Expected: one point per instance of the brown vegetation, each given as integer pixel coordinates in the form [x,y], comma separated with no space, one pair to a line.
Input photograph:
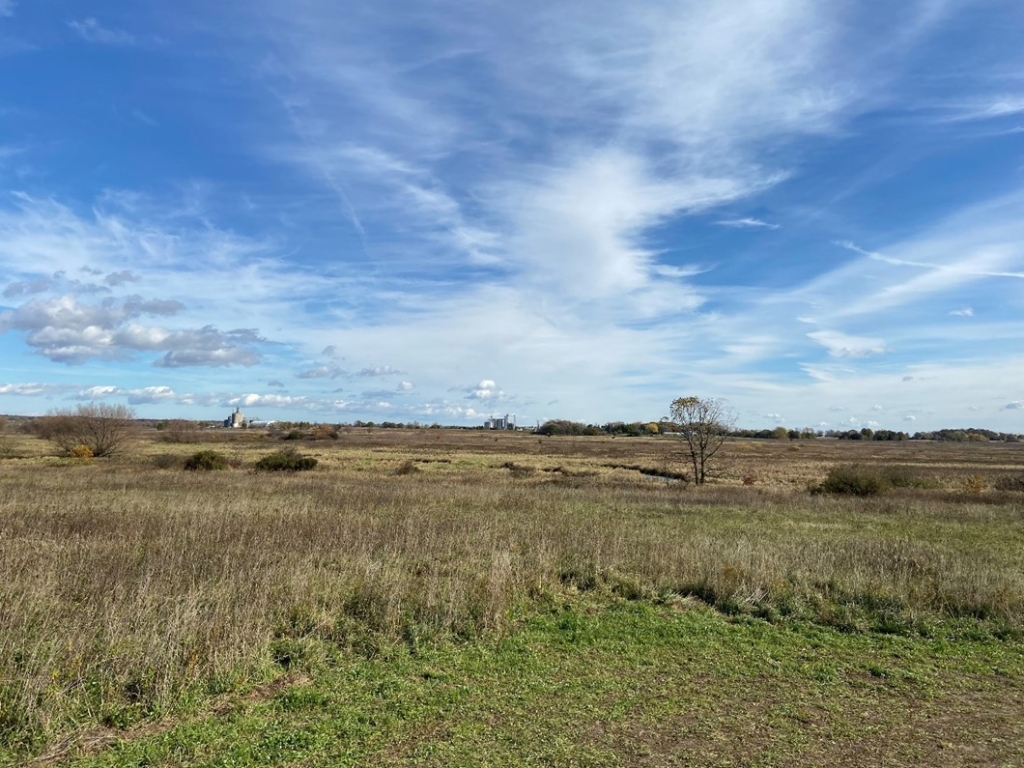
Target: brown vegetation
[126,589]
[99,428]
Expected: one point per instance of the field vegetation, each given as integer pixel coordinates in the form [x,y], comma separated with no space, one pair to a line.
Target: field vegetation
[448,597]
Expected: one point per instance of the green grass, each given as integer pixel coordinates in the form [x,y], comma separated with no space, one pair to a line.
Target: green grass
[620,683]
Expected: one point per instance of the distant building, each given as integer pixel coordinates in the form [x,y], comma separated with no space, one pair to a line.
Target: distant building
[497,422]
[235,421]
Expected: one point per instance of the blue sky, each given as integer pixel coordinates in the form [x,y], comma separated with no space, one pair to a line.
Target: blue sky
[439,211]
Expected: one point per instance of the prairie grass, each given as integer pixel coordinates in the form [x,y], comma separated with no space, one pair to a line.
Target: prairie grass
[128,591]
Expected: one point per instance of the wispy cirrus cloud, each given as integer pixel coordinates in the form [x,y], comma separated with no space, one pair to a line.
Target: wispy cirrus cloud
[747,223]
[992,108]
[92,31]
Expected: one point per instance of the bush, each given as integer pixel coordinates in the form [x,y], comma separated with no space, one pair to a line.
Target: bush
[206,460]
[103,429]
[1009,483]
[180,431]
[166,461]
[858,480]
[854,480]
[285,461]
[905,477]
[82,452]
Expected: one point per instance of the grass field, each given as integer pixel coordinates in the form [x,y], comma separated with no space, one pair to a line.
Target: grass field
[440,597]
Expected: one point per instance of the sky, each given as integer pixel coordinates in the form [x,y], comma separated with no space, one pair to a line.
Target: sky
[439,211]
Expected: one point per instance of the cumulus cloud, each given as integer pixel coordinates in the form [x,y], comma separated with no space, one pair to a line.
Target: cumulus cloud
[965,312]
[380,370]
[97,391]
[486,389]
[1016,405]
[147,395]
[69,331]
[25,287]
[320,372]
[406,386]
[268,401]
[120,278]
[139,396]
[378,394]
[29,389]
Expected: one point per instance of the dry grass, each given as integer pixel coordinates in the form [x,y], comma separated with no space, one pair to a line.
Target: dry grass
[127,590]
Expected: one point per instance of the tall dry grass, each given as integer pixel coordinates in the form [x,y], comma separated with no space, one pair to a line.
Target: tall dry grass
[126,590]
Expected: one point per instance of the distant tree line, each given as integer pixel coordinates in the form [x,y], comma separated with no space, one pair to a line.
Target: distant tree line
[667,426]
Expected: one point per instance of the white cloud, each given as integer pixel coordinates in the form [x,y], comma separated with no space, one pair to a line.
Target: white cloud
[487,389]
[380,370]
[98,391]
[139,396]
[120,278]
[965,312]
[268,401]
[69,331]
[843,345]
[92,31]
[29,389]
[747,223]
[1004,105]
[321,372]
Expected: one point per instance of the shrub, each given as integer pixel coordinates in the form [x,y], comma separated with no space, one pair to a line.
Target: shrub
[81,452]
[324,432]
[1009,483]
[973,484]
[854,480]
[103,428]
[166,461]
[905,477]
[206,460]
[285,461]
[180,431]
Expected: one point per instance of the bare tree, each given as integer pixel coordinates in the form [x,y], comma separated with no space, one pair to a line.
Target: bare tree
[704,424]
[104,429]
